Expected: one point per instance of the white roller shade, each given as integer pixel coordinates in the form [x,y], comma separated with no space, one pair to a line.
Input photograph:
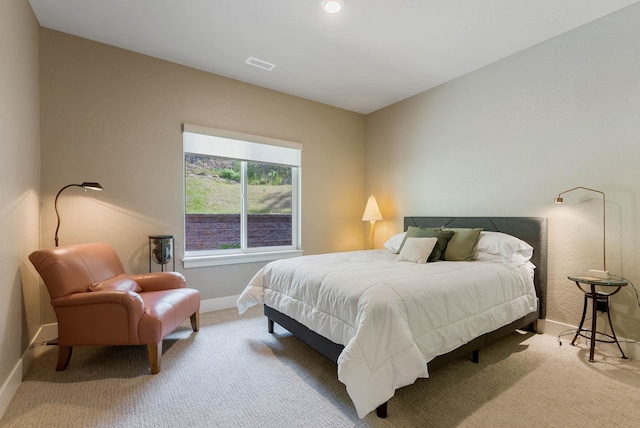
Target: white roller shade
[214,142]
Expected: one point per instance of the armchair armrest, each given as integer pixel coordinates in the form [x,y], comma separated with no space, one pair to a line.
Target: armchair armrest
[99,318]
[129,299]
[159,281]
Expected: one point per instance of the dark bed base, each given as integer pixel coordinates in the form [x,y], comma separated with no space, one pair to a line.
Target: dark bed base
[332,350]
[532,230]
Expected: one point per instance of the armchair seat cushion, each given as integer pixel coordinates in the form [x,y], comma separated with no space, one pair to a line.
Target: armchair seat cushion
[164,311]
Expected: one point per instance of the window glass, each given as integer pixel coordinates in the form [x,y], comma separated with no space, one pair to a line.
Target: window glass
[269,204]
[241,197]
[213,203]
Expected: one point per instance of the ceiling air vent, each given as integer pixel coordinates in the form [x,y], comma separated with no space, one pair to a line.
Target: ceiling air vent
[260,63]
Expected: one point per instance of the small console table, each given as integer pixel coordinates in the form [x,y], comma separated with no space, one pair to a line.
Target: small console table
[599,299]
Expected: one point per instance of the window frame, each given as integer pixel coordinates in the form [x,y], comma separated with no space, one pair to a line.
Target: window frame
[248,148]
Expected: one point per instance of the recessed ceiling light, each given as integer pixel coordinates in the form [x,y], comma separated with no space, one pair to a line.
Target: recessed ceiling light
[333,6]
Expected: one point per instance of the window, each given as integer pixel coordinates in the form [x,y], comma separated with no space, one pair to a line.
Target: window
[241,197]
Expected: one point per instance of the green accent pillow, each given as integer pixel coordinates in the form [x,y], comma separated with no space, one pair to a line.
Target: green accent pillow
[430,232]
[462,245]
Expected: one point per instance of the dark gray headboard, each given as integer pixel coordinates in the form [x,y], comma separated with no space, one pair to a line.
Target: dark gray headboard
[532,230]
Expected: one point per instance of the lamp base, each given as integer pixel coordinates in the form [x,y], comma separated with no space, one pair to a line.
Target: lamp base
[600,274]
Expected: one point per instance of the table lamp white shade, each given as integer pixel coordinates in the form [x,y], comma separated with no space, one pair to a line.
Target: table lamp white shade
[372,214]
[372,211]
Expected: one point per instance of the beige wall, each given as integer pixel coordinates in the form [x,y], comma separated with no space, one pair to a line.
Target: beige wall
[503,140]
[115,117]
[506,139]
[19,188]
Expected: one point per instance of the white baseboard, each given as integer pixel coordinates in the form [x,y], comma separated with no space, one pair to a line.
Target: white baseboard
[220,303]
[10,386]
[47,332]
[554,328]
[13,381]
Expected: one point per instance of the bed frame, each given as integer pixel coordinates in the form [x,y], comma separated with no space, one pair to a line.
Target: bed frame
[532,230]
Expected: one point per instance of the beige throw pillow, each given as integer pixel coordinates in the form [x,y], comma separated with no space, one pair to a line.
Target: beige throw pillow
[430,232]
[417,250]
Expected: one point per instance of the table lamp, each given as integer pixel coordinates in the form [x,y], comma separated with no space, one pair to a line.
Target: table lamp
[372,214]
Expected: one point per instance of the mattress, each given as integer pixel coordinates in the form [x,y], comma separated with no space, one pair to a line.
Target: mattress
[392,317]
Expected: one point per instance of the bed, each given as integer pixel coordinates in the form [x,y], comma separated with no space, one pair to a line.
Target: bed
[387,323]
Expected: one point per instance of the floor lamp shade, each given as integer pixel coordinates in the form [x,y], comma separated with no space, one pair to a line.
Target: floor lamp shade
[559,200]
[87,185]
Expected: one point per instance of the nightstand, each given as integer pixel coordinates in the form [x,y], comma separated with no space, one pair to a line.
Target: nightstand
[599,300]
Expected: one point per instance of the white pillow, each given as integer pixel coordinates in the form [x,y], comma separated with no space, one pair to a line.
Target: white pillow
[394,242]
[417,250]
[504,248]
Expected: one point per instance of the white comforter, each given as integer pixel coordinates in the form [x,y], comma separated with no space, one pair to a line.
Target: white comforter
[392,317]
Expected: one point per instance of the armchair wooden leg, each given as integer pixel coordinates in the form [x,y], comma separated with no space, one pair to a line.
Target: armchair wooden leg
[195,321]
[154,352]
[64,355]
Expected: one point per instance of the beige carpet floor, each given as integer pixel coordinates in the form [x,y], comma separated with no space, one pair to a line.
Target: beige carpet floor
[234,374]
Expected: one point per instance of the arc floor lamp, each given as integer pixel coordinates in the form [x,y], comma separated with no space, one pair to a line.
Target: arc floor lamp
[87,185]
[559,200]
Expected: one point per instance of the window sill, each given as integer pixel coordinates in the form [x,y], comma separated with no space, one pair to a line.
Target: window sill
[232,259]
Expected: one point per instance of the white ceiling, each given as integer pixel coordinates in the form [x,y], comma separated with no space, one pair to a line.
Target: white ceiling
[374,53]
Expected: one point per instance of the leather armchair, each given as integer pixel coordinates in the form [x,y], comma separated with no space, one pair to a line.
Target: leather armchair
[96,303]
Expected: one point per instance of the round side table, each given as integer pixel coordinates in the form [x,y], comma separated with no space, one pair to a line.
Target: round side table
[598,299]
